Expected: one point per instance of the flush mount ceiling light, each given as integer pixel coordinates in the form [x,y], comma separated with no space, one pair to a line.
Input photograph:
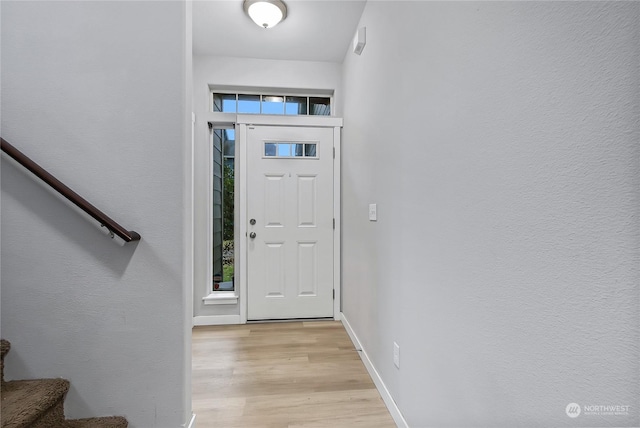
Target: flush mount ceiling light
[265,13]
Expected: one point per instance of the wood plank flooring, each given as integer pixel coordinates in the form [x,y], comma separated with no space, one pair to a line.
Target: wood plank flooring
[282,375]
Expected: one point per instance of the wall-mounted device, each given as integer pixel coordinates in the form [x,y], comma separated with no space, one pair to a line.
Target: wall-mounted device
[360,40]
[373,212]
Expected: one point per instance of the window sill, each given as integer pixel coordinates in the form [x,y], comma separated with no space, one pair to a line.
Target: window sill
[221,298]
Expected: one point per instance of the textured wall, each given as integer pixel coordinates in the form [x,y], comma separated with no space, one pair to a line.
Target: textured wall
[501,143]
[238,72]
[94,92]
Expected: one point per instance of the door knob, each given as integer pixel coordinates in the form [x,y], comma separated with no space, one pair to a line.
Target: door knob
[252,221]
[252,235]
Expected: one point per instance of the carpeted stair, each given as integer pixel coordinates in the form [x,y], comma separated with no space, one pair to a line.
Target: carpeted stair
[40,403]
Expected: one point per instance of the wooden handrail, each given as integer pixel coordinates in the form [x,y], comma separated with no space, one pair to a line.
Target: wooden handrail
[104,220]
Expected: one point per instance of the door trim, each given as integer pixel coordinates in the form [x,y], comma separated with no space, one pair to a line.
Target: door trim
[337,235]
[242,121]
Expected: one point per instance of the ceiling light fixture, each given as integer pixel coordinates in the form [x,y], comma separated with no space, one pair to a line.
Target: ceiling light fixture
[265,13]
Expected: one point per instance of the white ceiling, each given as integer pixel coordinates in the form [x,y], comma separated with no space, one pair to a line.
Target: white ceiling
[314,30]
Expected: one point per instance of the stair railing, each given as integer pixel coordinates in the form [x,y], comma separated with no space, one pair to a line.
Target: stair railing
[105,221]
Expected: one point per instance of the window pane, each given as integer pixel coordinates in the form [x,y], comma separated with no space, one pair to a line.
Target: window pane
[320,106]
[229,143]
[284,149]
[228,212]
[290,150]
[269,149]
[298,150]
[217,238]
[310,150]
[249,104]
[272,104]
[296,105]
[225,103]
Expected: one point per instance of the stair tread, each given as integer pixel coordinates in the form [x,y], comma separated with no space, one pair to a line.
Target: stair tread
[105,422]
[23,401]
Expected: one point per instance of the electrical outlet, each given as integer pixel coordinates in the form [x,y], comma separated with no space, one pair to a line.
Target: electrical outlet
[373,212]
[396,354]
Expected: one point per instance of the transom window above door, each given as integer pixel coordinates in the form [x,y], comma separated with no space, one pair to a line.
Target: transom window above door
[271,104]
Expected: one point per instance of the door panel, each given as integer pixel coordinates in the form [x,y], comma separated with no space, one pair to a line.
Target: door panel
[290,196]
[275,199]
[274,269]
[307,269]
[307,209]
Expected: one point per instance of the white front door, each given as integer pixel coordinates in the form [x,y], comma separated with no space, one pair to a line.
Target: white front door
[290,214]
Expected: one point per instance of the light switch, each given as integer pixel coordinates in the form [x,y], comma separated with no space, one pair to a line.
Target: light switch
[373,212]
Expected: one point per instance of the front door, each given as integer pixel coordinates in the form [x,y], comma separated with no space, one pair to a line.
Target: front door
[290,231]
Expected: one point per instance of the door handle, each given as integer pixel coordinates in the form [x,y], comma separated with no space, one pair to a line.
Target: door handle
[252,235]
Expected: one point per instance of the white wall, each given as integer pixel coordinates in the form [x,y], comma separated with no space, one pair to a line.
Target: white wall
[501,143]
[239,72]
[95,92]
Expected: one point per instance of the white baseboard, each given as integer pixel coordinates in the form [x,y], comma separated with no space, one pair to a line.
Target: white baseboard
[216,320]
[192,422]
[382,388]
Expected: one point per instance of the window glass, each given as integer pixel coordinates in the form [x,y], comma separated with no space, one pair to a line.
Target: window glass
[225,103]
[269,149]
[297,150]
[284,150]
[223,209]
[319,106]
[310,150]
[272,104]
[296,105]
[216,199]
[248,103]
[290,150]
[229,143]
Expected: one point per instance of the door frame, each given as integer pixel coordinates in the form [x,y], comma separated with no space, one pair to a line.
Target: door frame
[241,238]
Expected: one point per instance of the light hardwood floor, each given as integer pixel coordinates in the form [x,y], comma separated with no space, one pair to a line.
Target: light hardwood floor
[282,375]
